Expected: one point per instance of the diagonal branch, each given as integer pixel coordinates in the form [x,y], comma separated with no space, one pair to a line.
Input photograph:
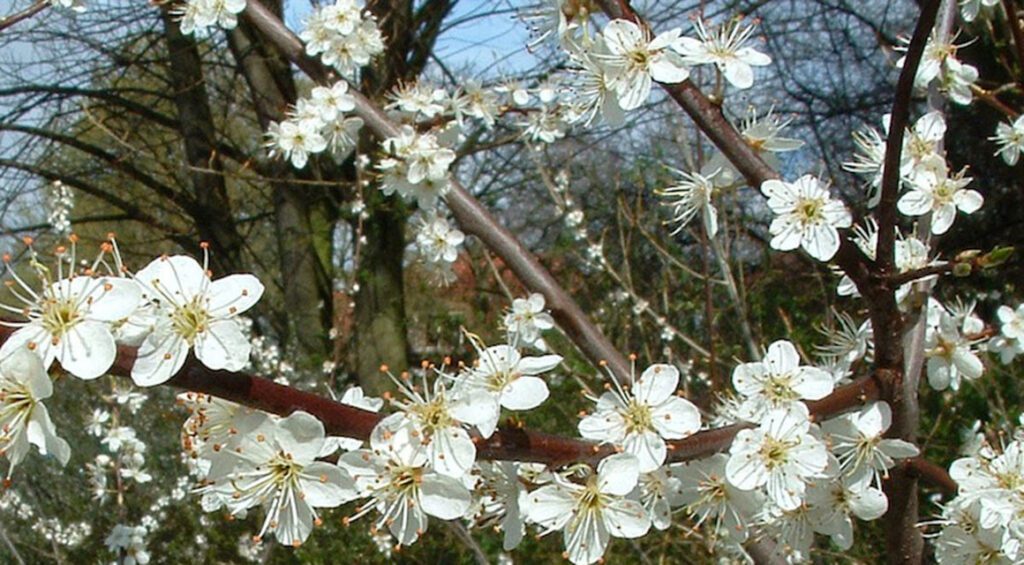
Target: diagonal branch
[473,217]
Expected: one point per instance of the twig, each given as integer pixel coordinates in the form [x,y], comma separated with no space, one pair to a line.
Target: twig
[900,279]
[894,141]
[465,537]
[1018,36]
[8,21]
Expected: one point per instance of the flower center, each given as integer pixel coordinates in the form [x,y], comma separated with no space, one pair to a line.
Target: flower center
[284,470]
[774,452]
[809,210]
[434,415]
[404,480]
[591,499]
[637,416]
[498,380]
[944,193]
[190,320]
[59,316]
[778,388]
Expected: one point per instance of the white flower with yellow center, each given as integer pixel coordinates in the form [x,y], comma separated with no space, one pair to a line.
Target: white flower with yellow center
[275,467]
[950,345]
[24,419]
[510,379]
[588,514]
[394,476]
[70,319]
[725,49]
[711,499]
[641,417]
[806,216]
[1010,139]
[193,312]
[528,319]
[779,455]
[634,61]
[435,419]
[934,191]
[856,441]
[778,381]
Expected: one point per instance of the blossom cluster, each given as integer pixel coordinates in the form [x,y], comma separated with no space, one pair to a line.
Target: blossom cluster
[983,522]
[78,318]
[316,123]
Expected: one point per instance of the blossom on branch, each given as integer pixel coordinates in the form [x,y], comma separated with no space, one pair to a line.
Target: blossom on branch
[806,216]
[193,312]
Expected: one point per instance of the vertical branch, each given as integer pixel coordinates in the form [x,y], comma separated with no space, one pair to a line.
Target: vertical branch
[894,141]
[1018,35]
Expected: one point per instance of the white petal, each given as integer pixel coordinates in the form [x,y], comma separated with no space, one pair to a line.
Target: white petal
[326,485]
[657,383]
[618,474]
[453,452]
[648,448]
[443,497]
[160,357]
[21,365]
[87,350]
[676,418]
[233,294]
[813,383]
[301,435]
[781,357]
[549,506]
[738,73]
[108,299]
[524,393]
[223,346]
[177,278]
[538,365]
[626,519]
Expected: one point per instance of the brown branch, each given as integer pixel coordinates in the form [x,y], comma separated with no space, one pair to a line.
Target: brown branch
[900,279]
[8,21]
[894,141]
[1018,36]
[937,476]
[509,443]
[473,217]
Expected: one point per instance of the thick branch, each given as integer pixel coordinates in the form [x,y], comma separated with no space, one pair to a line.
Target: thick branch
[510,443]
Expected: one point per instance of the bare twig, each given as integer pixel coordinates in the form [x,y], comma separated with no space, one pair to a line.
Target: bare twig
[8,21]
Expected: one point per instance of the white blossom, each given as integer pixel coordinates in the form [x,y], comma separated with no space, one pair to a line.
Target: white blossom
[528,319]
[640,416]
[635,60]
[725,49]
[275,467]
[24,419]
[805,216]
[195,312]
[394,476]
[588,514]
[779,455]
[933,191]
[857,441]
[693,196]
[778,381]
[1010,139]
